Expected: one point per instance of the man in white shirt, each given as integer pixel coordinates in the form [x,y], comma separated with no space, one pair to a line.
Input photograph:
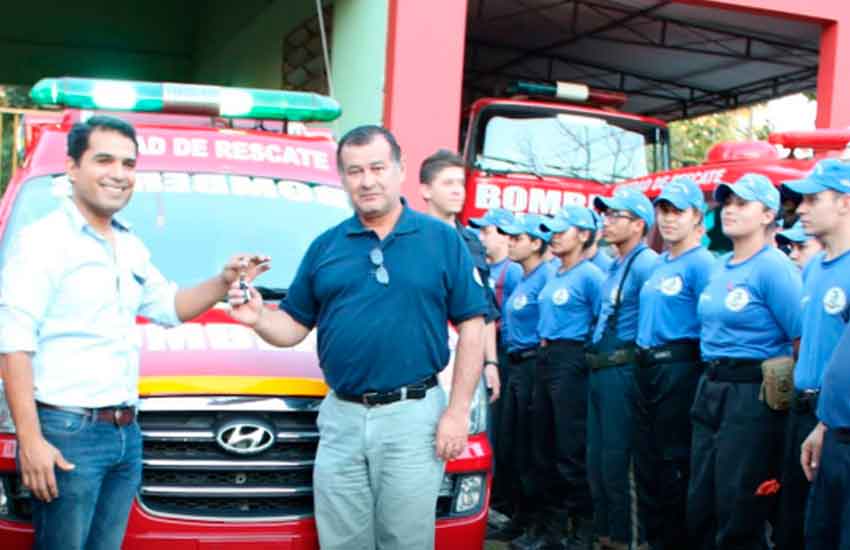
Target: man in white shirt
[70,291]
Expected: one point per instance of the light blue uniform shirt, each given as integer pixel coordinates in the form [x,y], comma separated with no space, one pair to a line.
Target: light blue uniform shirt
[751,310]
[826,287]
[668,300]
[70,299]
[522,311]
[513,275]
[569,302]
[602,260]
[627,320]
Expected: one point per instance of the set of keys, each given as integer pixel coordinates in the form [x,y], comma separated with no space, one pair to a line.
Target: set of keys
[243,265]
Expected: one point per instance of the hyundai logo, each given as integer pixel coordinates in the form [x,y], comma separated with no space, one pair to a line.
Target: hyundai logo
[245,437]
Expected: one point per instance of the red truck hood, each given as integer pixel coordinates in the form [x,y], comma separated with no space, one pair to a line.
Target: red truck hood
[215,355]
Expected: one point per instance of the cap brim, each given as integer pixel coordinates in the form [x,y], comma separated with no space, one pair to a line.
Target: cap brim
[725,189]
[804,186]
[608,203]
[478,222]
[512,230]
[555,226]
[680,203]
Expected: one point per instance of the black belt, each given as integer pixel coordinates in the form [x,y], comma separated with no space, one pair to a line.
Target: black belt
[412,391]
[805,401]
[120,416]
[674,352]
[616,358]
[734,370]
[522,355]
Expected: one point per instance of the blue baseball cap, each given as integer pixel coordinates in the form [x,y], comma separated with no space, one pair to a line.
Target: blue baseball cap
[683,193]
[795,234]
[597,219]
[570,216]
[827,174]
[629,199]
[528,224]
[750,187]
[494,216]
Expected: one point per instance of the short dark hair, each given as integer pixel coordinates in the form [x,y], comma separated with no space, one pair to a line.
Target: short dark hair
[438,162]
[591,239]
[364,135]
[78,137]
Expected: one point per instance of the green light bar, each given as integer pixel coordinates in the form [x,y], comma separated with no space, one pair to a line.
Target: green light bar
[126,95]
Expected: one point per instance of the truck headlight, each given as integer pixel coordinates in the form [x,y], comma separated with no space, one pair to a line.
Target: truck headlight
[478,410]
[6,424]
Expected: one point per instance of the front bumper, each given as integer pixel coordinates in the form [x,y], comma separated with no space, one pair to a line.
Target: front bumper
[147,531]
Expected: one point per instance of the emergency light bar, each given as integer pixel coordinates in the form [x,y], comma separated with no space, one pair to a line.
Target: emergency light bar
[166,97]
[568,91]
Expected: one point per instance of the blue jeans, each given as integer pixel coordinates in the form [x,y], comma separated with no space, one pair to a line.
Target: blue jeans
[377,475]
[95,497]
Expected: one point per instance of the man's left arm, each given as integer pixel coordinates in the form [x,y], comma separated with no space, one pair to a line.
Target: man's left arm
[453,429]
[191,302]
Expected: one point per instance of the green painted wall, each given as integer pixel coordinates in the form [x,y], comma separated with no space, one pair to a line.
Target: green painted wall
[358,59]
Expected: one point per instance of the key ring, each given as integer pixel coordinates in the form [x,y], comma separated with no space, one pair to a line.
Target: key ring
[246,294]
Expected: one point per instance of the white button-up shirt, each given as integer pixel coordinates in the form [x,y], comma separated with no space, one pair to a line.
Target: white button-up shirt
[71,299]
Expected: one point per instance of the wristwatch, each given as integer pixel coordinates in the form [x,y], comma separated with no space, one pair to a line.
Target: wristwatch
[491,362]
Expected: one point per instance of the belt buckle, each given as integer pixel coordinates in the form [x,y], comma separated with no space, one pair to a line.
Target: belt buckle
[366,396]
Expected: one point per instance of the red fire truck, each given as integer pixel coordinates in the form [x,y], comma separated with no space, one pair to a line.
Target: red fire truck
[555,144]
[219,170]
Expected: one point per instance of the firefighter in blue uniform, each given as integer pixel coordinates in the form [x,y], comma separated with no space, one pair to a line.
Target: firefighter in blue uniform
[569,303]
[504,276]
[627,216]
[668,338]
[750,313]
[527,246]
[825,215]
[800,247]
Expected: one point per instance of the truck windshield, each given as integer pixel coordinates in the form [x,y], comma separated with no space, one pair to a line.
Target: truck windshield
[193,223]
[569,145]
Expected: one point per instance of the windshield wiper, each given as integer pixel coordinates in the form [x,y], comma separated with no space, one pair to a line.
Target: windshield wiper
[271,293]
[526,167]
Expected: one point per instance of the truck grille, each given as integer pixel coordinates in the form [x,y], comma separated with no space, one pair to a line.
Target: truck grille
[189,472]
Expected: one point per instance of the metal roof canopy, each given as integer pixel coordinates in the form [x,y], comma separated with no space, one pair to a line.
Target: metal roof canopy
[672,60]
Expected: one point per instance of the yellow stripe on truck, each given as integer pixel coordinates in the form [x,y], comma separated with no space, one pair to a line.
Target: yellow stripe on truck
[231,385]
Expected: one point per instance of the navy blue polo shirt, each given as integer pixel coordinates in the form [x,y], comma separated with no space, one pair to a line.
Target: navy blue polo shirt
[627,318]
[668,300]
[375,337]
[834,404]
[569,302]
[751,309]
[826,287]
[522,310]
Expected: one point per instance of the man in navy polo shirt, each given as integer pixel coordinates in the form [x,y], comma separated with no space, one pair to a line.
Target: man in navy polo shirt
[381,288]
[825,215]
[627,217]
[825,457]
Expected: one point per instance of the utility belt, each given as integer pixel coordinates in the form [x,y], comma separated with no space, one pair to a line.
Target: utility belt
[522,355]
[614,358]
[776,376]
[805,402]
[680,351]
[417,390]
[121,415]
